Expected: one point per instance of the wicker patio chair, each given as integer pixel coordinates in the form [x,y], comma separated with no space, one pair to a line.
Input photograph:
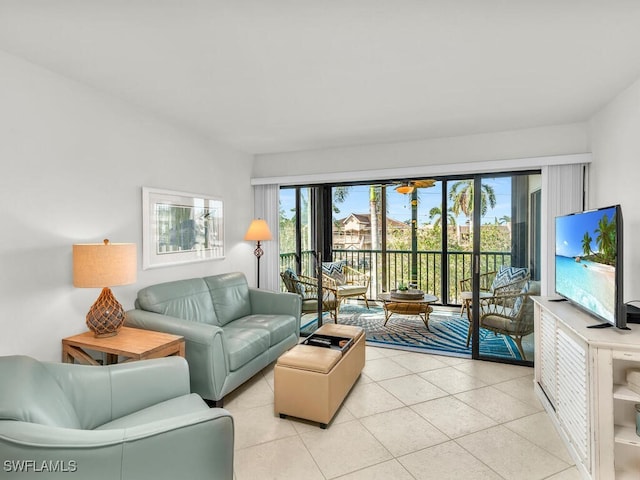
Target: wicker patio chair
[510,314]
[307,288]
[347,282]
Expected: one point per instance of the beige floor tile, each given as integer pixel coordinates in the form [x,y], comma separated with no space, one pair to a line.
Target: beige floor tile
[452,380]
[492,372]
[255,393]
[419,362]
[390,470]
[374,353]
[396,423]
[412,389]
[369,399]
[282,459]
[512,456]
[259,425]
[342,415]
[363,378]
[496,404]
[538,429]
[403,431]
[568,474]
[387,352]
[447,461]
[267,373]
[344,448]
[522,389]
[453,360]
[453,417]
[383,368]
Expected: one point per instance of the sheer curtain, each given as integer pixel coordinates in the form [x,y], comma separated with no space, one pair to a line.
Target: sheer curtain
[562,193]
[266,205]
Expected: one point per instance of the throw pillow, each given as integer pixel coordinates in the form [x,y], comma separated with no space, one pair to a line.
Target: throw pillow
[518,303]
[334,270]
[292,281]
[509,275]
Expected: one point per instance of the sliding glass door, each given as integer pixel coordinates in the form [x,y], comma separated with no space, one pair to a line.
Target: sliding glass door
[505,266]
[463,239]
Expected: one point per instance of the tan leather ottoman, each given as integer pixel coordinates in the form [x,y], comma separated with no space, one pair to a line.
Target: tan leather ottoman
[311,382]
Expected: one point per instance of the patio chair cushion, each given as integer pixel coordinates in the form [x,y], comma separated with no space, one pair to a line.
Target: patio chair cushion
[497,322]
[334,270]
[292,282]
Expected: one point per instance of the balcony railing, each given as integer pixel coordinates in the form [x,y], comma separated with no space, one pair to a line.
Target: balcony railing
[397,269]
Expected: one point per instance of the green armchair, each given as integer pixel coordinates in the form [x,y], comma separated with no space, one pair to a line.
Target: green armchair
[130,421]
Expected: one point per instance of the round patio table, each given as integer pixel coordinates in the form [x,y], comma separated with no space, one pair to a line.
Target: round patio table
[403,306]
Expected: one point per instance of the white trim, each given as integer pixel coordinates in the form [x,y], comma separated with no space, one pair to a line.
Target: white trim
[427,170]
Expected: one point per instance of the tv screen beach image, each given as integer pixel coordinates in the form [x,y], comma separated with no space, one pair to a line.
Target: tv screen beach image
[586,259]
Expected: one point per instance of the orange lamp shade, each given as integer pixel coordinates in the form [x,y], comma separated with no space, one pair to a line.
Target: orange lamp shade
[258,231]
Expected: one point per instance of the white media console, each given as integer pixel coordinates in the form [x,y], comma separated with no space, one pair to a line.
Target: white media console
[580,377]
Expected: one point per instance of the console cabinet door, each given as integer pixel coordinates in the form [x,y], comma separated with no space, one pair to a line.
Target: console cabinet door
[547,351]
[572,389]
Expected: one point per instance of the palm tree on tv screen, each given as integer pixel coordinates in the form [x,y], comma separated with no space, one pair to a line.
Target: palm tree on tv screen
[586,243]
[605,239]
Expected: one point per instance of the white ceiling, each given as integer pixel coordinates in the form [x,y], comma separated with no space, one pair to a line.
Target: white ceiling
[281,75]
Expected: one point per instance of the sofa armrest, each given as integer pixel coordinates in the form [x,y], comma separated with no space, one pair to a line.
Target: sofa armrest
[275,303]
[191,331]
[205,348]
[131,453]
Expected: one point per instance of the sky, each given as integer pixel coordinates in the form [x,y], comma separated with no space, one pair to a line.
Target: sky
[399,208]
[570,230]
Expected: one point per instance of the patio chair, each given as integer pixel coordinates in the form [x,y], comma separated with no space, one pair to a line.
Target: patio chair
[506,281]
[347,282]
[307,288]
[510,314]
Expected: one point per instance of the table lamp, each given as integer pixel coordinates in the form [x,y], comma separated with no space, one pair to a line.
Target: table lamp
[258,231]
[104,265]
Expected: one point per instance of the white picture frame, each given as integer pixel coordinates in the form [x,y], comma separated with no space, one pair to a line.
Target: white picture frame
[180,227]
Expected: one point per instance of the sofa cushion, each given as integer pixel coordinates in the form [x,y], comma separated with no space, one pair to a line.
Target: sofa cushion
[188,299]
[30,394]
[169,408]
[279,327]
[230,296]
[244,344]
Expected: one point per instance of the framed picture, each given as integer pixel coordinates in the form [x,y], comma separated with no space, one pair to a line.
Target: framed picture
[180,228]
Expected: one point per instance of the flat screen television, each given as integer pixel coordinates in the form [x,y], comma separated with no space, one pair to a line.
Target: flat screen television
[589,263]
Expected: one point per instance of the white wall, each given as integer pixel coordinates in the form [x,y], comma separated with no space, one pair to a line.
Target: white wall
[73,165]
[534,142]
[615,173]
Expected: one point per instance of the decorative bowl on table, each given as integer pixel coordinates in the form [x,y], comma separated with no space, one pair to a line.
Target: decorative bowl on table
[410,294]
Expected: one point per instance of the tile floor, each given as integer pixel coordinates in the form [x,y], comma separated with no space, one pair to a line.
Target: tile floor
[409,416]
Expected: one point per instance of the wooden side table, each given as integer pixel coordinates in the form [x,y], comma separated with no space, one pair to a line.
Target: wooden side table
[132,343]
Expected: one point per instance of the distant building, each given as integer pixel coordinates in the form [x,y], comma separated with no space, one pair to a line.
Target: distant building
[354,231]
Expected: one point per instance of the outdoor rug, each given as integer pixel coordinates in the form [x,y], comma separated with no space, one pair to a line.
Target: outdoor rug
[447,332]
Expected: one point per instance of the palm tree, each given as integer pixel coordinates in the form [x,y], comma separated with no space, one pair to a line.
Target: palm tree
[586,243]
[605,239]
[461,193]
[436,213]
[340,194]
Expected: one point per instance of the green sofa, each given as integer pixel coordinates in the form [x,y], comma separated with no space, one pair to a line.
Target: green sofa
[231,331]
[132,421]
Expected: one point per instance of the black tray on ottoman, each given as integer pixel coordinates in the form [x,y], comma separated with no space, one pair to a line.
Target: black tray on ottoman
[329,341]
